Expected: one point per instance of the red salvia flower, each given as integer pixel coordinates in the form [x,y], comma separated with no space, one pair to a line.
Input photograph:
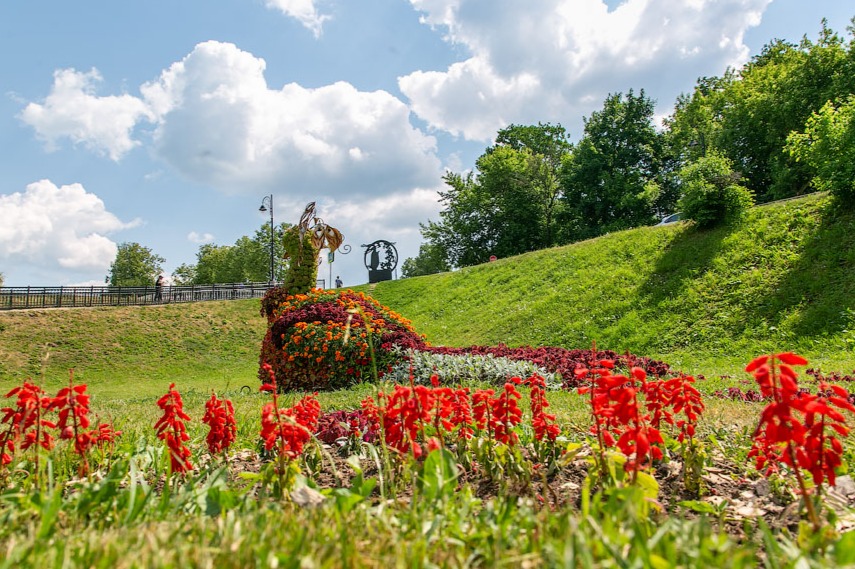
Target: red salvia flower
[481,409]
[291,428]
[683,397]
[542,422]
[505,414]
[461,412]
[220,418]
[798,429]
[172,430]
[25,424]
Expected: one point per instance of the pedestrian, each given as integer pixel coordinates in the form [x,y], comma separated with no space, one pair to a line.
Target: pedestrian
[158,289]
[338,282]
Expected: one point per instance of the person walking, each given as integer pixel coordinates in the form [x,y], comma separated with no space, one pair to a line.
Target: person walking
[158,289]
[338,283]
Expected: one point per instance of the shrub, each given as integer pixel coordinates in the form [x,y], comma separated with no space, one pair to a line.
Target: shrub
[828,147]
[324,339]
[711,192]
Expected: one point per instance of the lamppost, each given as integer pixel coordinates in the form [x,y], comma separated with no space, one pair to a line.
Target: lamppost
[267,203]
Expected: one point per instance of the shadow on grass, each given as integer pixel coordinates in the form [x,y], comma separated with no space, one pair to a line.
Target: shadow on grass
[819,290]
[688,256]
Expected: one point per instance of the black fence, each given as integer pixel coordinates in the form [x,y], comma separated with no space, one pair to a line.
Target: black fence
[21,297]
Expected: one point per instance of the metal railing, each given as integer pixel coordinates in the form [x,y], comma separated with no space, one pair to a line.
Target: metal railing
[22,297]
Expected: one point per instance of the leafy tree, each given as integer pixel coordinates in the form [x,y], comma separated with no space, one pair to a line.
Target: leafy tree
[509,206]
[134,265]
[712,194]
[609,180]
[747,114]
[431,259]
[828,146]
[1,279]
[247,260]
[184,275]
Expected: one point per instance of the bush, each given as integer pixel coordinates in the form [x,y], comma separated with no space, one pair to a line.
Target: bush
[711,192]
[828,147]
[323,339]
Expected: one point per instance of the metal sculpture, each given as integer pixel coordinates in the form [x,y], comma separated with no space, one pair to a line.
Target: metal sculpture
[380,269]
[303,243]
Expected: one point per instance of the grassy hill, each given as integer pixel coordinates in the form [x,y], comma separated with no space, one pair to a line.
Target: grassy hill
[204,345]
[703,301]
[782,280]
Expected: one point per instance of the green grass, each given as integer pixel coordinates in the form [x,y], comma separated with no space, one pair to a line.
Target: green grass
[135,351]
[705,302]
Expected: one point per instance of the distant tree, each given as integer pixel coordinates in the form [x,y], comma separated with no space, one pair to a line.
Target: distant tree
[431,259]
[609,181]
[509,205]
[711,192]
[247,260]
[134,265]
[184,275]
[1,279]
[827,146]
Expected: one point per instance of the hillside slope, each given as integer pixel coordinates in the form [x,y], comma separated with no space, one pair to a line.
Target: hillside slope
[782,280]
[201,345]
[705,302]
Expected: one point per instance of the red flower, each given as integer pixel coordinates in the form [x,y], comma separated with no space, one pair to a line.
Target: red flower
[798,429]
[25,424]
[505,414]
[172,430]
[543,423]
[72,403]
[220,418]
[291,428]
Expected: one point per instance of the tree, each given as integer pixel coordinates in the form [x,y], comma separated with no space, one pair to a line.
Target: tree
[431,259]
[827,146]
[1,279]
[747,114]
[134,265]
[609,180]
[510,206]
[184,275]
[247,260]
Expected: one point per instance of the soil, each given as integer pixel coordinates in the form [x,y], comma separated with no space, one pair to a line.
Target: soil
[735,497]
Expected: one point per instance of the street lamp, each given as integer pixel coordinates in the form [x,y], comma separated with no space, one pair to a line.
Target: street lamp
[267,203]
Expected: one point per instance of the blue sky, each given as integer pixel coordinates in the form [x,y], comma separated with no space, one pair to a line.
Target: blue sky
[166,123]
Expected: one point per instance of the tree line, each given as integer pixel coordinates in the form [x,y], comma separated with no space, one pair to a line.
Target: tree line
[247,260]
[783,125]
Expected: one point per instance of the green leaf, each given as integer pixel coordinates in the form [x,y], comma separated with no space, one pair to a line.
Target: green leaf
[438,478]
[648,485]
[698,506]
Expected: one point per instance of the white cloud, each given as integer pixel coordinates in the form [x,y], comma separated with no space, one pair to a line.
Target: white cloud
[392,218]
[72,110]
[304,11]
[64,227]
[200,238]
[556,61]
[220,124]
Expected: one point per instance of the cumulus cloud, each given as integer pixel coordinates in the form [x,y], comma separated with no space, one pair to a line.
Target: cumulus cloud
[393,218]
[200,238]
[556,60]
[63,226]
[304,11]
[219,123]
[73,110]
